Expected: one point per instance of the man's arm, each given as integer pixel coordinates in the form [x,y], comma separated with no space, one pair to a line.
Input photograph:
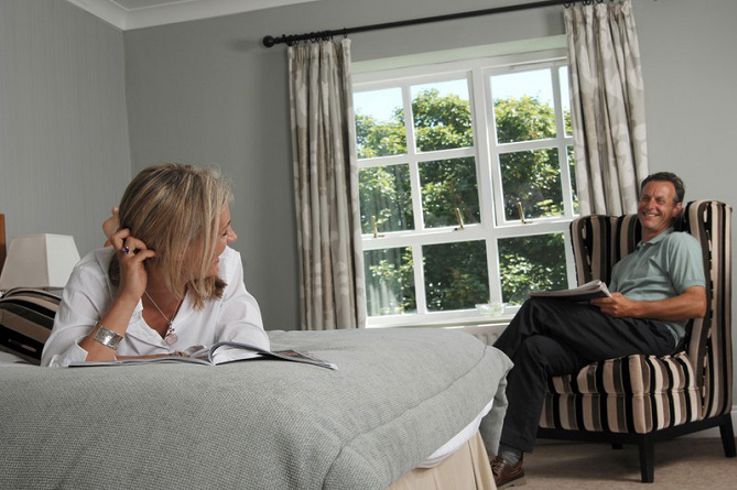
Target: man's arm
[691,303]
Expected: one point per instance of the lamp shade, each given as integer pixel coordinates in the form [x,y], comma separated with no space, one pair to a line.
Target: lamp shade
[39,261]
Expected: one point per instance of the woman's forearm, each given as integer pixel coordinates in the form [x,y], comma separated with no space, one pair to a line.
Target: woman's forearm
[116,319]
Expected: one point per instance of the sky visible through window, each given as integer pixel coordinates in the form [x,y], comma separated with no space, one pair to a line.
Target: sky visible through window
[381,104]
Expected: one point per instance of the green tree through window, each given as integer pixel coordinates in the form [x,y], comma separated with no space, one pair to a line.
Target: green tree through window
[456,273]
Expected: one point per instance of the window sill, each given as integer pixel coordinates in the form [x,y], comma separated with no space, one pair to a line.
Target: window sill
[458,319]
[487,329]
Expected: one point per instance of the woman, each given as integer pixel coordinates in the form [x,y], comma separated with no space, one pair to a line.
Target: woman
[168,282]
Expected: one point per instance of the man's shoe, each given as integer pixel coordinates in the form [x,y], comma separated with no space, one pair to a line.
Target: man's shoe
[507,475]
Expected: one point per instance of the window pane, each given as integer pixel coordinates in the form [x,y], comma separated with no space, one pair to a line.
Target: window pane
[386,197]
[530,263]
[442,115]
[447,185]
[379,123]
[565,99]
[531,179]
[572,170]
[390,285]
[523,106]
[456,275]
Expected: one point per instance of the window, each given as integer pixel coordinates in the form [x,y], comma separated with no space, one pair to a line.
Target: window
[465,185]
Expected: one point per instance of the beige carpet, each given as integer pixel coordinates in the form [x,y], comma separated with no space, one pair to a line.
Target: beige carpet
[686,462]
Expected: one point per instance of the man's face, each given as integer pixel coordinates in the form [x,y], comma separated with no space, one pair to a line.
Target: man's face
[657,208]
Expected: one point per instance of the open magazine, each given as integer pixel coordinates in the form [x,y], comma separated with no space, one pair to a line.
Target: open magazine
[200,354]
[585,292]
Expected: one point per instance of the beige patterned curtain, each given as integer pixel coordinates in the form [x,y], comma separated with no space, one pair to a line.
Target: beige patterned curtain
[331,290]
[608,106]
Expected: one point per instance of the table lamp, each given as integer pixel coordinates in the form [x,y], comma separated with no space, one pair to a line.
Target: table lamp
[39,261]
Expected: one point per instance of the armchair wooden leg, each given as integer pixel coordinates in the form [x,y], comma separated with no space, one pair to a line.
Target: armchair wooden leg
[647,460]
[725,429]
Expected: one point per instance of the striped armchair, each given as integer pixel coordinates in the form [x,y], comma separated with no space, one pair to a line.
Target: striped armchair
[643,399]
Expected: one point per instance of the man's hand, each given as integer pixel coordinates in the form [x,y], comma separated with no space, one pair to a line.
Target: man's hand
[617,305]
[691,303]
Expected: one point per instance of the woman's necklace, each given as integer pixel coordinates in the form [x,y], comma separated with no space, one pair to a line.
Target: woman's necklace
[171,335]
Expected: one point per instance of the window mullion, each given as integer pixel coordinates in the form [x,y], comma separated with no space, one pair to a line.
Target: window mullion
[560,129]
[495,171]
[414,173]
[483,169]
[570,259]
[495,272]
[481,139]
[419,222]
[419,276]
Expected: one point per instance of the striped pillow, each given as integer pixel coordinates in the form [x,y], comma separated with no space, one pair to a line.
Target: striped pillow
[26,320]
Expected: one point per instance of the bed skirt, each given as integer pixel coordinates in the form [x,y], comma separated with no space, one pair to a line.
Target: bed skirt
[467,469]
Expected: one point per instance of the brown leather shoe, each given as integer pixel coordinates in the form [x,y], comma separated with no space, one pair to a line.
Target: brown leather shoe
[507,475]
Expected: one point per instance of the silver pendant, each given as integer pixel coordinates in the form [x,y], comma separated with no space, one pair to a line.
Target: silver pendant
[171,336]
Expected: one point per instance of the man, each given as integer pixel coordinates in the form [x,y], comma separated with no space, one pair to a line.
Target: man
[655,290]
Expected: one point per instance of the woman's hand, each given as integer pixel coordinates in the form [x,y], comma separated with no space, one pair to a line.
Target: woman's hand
[110,226]
[131,253]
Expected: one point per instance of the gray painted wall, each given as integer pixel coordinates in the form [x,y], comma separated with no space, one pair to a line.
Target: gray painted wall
[690,69]
[205,91]
[64,149]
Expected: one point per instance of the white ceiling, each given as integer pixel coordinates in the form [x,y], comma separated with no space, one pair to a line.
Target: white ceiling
[135,14]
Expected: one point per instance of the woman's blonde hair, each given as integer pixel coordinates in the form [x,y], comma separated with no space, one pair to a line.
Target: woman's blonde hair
[175,210]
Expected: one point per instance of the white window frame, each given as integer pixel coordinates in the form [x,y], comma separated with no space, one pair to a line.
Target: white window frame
[493,224]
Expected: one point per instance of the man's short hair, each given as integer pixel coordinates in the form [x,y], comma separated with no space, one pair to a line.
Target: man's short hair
[667,177]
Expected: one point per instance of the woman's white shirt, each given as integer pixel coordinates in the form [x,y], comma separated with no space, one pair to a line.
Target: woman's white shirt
[89,293]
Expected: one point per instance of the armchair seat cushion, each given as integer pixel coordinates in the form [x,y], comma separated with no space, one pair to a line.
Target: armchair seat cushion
[635,394]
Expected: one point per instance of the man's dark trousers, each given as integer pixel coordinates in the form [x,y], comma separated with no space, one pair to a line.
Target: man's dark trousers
[553,337]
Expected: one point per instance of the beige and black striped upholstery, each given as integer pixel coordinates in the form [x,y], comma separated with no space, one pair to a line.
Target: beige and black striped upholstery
[641,394]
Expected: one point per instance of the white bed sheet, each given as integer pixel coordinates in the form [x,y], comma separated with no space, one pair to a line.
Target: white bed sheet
[456,441]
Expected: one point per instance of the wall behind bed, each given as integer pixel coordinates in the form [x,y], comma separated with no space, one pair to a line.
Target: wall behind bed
[64,149]
[207,91]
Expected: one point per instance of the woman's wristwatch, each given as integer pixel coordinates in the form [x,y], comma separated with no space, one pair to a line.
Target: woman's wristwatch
[108,338]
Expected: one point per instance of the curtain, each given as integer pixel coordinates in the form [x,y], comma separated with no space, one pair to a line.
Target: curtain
[331,290]
[608,106]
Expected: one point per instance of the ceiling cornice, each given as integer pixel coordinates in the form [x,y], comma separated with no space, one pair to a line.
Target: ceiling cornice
[175,11]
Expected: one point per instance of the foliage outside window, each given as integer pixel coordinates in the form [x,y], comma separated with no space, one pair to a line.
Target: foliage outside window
[466,190]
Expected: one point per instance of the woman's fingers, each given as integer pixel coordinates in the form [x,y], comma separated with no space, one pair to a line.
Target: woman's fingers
[118,238]
[110,226]
[142,255]
[132,245]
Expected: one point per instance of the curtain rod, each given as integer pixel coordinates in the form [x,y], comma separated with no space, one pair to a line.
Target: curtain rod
[290,39]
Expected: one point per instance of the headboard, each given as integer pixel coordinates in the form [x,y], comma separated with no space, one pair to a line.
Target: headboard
[2,241]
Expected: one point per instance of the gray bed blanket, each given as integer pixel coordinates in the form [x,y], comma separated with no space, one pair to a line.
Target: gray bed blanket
[398,395]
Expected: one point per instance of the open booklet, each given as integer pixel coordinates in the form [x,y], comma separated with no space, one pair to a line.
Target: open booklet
[585,292]
[199,354]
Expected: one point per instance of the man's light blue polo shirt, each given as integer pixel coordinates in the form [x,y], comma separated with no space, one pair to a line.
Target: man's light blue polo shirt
[661,268]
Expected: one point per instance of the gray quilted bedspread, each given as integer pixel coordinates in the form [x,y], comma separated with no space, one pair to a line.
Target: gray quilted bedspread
[398,395]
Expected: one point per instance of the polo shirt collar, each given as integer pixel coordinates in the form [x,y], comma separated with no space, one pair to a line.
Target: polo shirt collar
[657,238]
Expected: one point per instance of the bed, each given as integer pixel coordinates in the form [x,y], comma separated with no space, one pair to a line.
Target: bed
[407,409]
[398,396]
